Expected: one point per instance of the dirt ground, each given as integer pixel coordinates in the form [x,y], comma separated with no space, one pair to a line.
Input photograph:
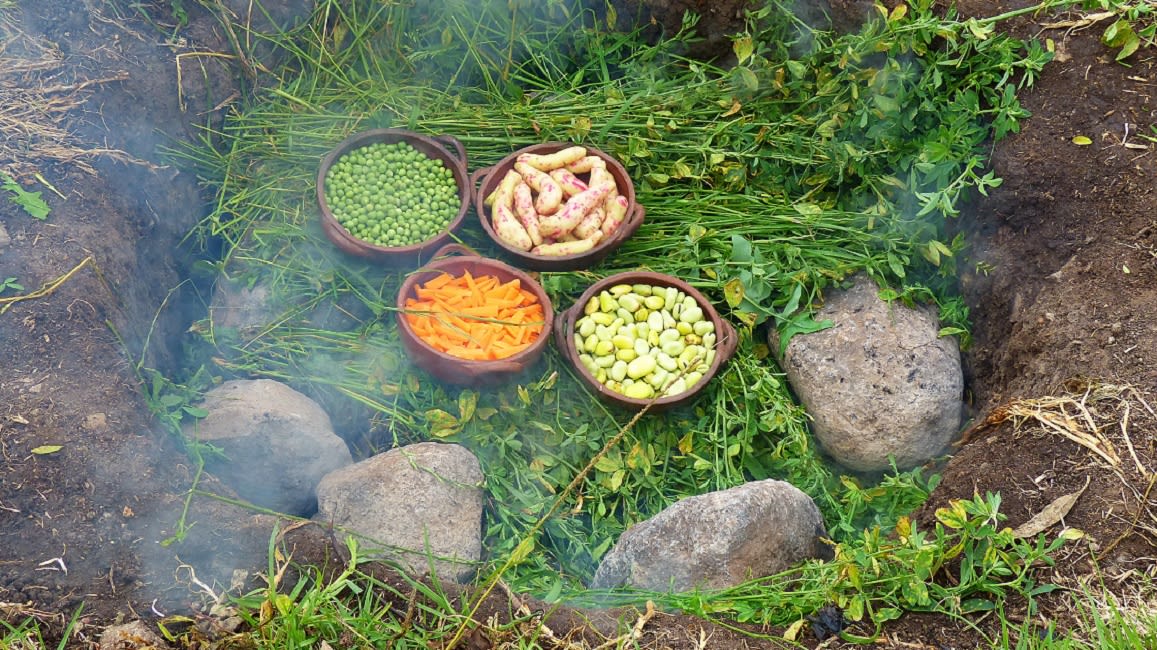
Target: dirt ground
[1062,287]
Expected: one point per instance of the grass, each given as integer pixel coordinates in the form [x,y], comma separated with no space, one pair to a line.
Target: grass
[815,157]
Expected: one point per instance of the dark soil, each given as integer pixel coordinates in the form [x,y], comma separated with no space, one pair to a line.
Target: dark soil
[1061,285]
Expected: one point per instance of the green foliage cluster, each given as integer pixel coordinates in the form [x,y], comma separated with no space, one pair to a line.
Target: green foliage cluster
[1133,26]
[31,202]
[816,157]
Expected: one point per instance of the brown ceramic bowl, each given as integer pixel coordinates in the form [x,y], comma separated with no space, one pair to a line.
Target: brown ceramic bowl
[486,180]
[456,259]
[433,147]
[564,327]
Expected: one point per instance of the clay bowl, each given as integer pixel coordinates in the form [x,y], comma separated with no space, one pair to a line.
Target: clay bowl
[564,328]
[456,259]
[433,147]
[486,179]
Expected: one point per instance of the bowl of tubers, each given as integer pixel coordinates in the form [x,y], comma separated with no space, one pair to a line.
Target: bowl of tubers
[557,206]
[642,338]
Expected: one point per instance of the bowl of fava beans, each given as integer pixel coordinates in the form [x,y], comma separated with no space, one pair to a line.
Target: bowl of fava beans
[642,338]
[393,196]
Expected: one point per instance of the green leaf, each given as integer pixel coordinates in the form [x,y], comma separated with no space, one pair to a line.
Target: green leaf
[940,248]
[442,424]
[807,209]
[1129,47]
[797,69]
[954,516]
[804,324]
[974,605]
[170,400]
[952,331]
[31,202]
[522,551]
[608,464]
[617,480]
[743,47]
[467,404]
[740,249]
[1118,34]
[747,78]
[47,449]
[733,292]
[886,104]
[196,411]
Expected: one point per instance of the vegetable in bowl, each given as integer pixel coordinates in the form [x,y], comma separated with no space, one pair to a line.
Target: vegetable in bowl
[390,194]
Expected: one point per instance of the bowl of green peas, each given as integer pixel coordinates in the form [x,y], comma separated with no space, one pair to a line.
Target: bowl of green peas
[393,196]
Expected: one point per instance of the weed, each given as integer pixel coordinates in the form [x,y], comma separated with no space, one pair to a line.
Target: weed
[30,202]
[10,283]
[1134,25]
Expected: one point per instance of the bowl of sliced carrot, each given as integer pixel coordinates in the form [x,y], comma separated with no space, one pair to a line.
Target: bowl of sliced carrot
[471,320]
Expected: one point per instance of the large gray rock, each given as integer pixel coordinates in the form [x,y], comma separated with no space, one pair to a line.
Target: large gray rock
[717,540]
[412,504]
[880,383]
[277,443]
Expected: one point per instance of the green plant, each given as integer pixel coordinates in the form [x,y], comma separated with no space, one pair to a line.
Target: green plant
[172,403]
[1133,26]
[10,283]
[30,202]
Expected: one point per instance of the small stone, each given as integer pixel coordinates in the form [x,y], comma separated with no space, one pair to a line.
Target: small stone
[5,239]
[96,422]
[131,636]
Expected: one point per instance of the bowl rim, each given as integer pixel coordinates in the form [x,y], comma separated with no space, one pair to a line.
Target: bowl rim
[447,258]
[725,345]
[455,161]
[636,213]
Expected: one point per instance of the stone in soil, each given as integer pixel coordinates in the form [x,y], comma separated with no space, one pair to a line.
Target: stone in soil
[881,384]
[717,540]
[277,443]
[418,504]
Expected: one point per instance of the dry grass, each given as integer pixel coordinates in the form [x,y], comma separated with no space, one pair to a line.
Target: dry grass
[36,102]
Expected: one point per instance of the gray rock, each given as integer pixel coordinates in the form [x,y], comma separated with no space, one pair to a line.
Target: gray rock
[277,443]
[412,504]
[5,238]
[243,308]
[717,540]
[131,636]
[880,383]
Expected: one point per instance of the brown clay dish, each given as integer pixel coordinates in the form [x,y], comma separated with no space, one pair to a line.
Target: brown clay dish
[433,147]
[486,180]
[564,326]
[456,259]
